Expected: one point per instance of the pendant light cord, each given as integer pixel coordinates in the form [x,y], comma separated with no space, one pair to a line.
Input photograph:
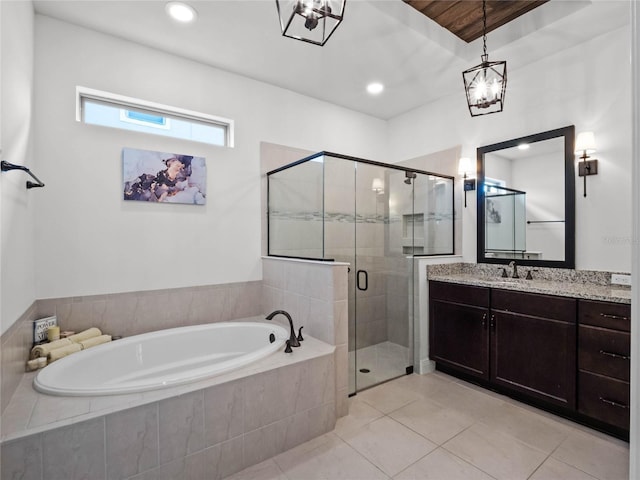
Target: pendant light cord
[484,27]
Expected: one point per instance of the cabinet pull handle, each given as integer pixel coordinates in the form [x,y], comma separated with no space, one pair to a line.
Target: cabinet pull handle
[614,317]
[484,320]
[612,403]
[493,322]
[615,355]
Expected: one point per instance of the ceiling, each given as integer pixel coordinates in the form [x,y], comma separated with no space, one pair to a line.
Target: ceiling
[387,41]
[463,18]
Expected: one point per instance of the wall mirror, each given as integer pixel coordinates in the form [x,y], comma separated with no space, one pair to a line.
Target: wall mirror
[526,200]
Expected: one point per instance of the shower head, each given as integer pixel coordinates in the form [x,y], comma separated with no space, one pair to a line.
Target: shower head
[409,176]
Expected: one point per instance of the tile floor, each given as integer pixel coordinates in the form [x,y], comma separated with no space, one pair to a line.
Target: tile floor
[437,427]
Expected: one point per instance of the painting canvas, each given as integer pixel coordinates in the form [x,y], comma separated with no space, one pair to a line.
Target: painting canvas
[163,177]
[493,214]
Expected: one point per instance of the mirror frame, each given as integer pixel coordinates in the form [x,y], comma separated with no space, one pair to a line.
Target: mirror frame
[569,198]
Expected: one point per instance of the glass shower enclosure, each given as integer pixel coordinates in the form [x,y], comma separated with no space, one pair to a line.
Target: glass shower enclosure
[505,222]
[377,217]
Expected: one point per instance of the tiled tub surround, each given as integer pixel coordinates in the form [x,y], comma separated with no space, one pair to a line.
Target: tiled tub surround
[590,285]
[16,342]
[127,314]
[279,407]
[315,294]
[209,429]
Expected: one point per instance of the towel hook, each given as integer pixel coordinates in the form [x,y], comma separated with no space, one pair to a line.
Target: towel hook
[6,166]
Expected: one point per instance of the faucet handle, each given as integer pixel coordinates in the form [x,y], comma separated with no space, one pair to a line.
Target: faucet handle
[288,348]
[504,272]
[300,337]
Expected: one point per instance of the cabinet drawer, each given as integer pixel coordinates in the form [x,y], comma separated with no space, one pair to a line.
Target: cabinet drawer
[545,306]
[605,314]
[604,351]
[454,292]
[604,399]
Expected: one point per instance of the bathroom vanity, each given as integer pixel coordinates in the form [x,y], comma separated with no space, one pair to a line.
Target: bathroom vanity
[562,347]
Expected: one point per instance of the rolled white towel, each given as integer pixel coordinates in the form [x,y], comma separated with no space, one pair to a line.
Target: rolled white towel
[46,348]
[92,342]
[58,353]
[85,335]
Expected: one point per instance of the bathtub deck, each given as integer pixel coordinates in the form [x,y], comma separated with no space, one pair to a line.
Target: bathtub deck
[30,412]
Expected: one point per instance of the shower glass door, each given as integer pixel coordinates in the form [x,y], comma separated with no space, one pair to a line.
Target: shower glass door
[382,347]
[375,217]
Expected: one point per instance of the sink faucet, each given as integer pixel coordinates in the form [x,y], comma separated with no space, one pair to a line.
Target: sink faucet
[515,269]
[293,341]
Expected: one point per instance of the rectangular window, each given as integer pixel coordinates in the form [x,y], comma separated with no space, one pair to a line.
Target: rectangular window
[117,111]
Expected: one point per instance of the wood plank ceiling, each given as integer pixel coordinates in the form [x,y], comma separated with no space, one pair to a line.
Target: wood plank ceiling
[463,18]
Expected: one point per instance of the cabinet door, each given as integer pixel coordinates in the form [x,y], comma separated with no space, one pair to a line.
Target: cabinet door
[460,337]
[535,356]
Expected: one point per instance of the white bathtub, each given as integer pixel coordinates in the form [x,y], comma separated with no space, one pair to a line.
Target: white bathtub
[160,359]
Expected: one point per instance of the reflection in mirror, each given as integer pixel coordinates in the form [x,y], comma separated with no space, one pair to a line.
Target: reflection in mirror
[525,186]
[526,204]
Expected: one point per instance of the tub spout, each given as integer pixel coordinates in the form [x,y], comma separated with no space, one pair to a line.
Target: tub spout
[293,341]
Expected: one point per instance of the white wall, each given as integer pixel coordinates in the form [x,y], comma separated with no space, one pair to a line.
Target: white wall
[634,435]
[88,240]
[586,86]
[17,204]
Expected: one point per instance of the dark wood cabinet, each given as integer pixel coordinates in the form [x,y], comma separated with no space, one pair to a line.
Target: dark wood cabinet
[533,345]
[566,354]
[604,353]
[460,323]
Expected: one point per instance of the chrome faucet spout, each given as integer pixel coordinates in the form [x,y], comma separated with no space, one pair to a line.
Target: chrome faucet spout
[293,340]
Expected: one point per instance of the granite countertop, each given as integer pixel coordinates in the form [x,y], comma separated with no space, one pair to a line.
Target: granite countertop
[589,291]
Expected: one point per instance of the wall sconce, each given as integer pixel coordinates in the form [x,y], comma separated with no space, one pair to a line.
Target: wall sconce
[378,186]
[311,21]
[586,144]
[469,184]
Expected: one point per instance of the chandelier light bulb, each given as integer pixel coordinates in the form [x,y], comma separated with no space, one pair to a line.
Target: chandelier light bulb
[481,90]
[495,88]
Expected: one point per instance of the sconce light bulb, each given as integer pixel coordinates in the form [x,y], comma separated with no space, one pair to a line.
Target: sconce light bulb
[465,166]
[585,143]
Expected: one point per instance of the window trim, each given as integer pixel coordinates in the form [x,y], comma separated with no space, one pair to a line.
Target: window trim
[123,101]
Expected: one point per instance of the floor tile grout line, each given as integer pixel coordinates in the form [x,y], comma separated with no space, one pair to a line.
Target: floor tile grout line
[568,464]
[466,461]
[543,462]
[418,460]
[365,458]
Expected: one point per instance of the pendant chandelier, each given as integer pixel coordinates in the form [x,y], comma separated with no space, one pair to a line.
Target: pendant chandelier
[312,21]
[485,84]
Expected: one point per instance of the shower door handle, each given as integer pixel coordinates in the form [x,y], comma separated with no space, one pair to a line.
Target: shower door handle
[366,280]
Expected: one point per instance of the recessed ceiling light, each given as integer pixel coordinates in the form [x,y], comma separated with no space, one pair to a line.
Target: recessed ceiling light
[523,146]
[375,88]
[181,12]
